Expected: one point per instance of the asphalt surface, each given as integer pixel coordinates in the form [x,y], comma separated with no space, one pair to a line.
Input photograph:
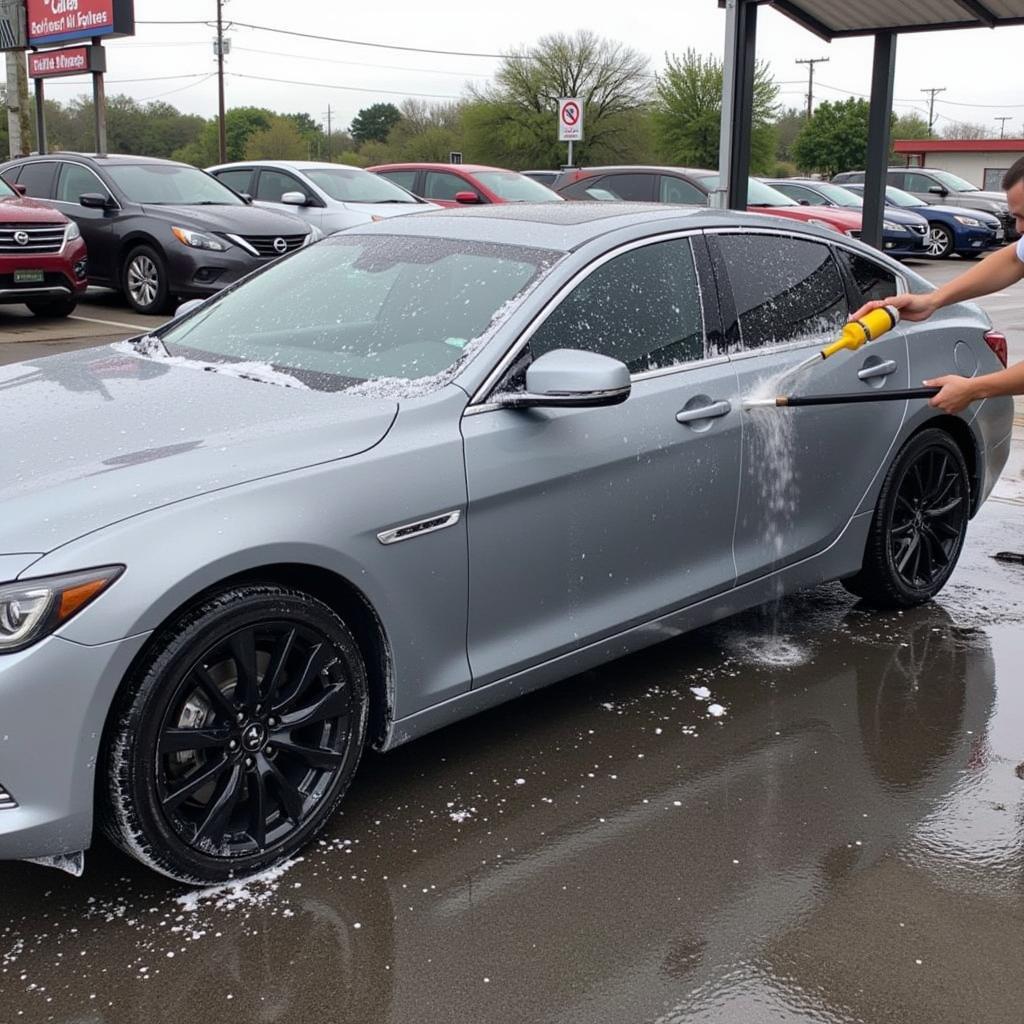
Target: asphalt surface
[845,844]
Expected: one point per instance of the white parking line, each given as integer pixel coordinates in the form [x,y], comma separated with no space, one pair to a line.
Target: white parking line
[114,323]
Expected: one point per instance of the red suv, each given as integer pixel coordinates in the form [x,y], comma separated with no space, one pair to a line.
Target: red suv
[459,184]
[42,256]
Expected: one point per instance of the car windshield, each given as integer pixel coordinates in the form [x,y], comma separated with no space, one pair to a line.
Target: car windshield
[381,314]
[758,193]
[353,185]
[516,188]
[170,184]
[953,182]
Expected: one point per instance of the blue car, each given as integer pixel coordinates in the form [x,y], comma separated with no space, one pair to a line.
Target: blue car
[954,229]
[903,233]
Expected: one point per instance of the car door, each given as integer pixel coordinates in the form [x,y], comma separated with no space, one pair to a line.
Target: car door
[805,470]
[272,183]
[73,181]
[583,522]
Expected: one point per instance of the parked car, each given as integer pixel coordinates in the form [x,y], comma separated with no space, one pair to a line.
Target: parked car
[423,468]
[158,231]
[329,196]
[465,184]
[903,233]
[933,185]
[688,185]
[544,177]
[42,256]
[952,229]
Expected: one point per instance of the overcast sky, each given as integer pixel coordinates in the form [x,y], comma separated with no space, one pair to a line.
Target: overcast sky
[976,66]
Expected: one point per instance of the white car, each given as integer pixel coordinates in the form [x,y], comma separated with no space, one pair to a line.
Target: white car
[330,196]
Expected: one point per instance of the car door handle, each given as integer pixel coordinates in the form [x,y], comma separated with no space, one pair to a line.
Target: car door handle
[704,412]
[878,370]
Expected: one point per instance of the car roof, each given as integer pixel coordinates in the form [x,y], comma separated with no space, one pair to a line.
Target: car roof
[295,165]
[428,166]
[101,161]
[567,226]
[641,167]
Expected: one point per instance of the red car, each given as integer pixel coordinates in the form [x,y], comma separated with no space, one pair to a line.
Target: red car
[42,256]
[459,184]
[693,187]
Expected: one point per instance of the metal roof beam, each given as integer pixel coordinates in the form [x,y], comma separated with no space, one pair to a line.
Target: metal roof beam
[980,11]
[799,15]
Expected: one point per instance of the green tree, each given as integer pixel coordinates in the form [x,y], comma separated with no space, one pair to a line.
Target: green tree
[514,122]
[787,127]
[374,123]
[835,138]
[910,126]
[240,124]
[281,140]
[688,112]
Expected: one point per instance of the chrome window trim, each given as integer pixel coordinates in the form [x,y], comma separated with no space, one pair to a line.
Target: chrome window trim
[479,404]
[419,528]
[78,163]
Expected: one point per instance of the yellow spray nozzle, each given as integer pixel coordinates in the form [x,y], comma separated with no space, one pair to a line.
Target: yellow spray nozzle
[859,332]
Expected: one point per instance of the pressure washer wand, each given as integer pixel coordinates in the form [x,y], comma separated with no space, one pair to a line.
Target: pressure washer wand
[791,401]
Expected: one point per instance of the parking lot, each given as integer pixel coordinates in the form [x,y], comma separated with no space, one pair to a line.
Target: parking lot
[845,843]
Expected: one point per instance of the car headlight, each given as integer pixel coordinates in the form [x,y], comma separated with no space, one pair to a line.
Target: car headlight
[888,225]
[315,234]
[71,232]
[197,240]
[823,224]
[968,222]
[32,609]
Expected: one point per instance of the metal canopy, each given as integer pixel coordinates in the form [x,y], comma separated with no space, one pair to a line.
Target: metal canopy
[831,20]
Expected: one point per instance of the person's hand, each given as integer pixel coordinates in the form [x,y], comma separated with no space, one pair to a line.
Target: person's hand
[957,393]
[911,307]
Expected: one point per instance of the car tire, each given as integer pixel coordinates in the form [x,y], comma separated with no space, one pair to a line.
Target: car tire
[971,254]
[236,737]
[144,282]
[919,524]
[940,243]
[54,309]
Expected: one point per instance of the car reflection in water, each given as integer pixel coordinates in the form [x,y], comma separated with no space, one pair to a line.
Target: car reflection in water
[600,851]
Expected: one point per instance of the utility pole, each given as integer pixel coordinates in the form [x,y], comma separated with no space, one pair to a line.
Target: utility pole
[931,107]
[19,121]
[810,80]
[220,82]
[1002,125]
[329,133]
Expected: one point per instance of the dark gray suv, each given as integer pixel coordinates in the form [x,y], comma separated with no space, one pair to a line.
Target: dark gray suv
[156,230]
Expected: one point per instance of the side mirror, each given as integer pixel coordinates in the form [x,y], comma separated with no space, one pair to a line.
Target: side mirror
[571,379]
[807,202]
[294,199]
[246,198]
[187,307]
[938,190]
[94,201]
[20,189]
[466,197]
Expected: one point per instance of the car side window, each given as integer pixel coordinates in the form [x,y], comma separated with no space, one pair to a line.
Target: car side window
[675,190]
[642,308]
[75,180]
[897,179]
[442,185]
[633,188]
[274,184]
[407,179]
[918,182]
[799,193]
[239,178]
[38,178]
[785,289]
[871,280]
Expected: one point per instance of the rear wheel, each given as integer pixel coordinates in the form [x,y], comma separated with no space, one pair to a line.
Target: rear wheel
[52,308]
[940,241]
[238,737]
[919,525]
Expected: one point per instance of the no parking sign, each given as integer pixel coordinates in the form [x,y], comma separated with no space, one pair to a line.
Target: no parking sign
[570,119]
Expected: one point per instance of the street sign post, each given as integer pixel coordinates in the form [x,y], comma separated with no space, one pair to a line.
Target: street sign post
[570,122]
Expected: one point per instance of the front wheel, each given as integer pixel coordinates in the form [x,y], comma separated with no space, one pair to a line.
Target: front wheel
[236,739]
[919,525]
[55,309]
[940,242]
[144,281]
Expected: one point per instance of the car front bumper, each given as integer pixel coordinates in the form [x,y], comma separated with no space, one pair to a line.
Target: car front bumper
[197,273]
[54,699]
[974,240]
[65,274]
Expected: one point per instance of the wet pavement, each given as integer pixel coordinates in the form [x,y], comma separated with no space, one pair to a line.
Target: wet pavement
[845,843]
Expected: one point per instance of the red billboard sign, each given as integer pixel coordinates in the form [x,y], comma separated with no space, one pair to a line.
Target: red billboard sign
[75,60]
[57,21]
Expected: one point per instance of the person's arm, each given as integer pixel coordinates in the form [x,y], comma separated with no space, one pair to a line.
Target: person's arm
[958,392]
[993,274]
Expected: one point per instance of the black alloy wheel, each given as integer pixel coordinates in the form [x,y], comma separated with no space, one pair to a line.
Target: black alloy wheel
[919,525]
[240,739]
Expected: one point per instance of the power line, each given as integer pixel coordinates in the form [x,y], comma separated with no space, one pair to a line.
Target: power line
[346,88]
[359,64]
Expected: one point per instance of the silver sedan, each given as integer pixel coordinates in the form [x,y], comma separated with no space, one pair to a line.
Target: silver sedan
[422,468]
